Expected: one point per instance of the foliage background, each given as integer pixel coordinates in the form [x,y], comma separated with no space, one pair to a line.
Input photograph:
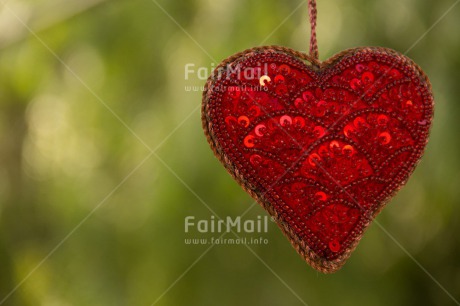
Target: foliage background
[70,169]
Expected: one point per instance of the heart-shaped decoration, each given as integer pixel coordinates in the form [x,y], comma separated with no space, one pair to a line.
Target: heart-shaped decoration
[321,146]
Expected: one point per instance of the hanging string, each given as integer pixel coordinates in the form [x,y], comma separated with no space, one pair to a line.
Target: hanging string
[313,42]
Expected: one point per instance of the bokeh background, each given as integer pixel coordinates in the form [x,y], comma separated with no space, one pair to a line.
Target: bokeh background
[102,156]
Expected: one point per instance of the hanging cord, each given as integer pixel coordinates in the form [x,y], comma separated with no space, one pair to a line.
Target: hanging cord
[313,42]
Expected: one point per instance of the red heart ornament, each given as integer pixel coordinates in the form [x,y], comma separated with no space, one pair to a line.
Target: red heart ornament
[321,146]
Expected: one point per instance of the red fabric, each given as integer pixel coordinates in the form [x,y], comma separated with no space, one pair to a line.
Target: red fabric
[326,148]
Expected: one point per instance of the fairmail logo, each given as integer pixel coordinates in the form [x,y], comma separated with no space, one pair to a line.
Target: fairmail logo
[226,225]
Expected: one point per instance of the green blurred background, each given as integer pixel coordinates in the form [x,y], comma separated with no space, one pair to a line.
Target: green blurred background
[102,156]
